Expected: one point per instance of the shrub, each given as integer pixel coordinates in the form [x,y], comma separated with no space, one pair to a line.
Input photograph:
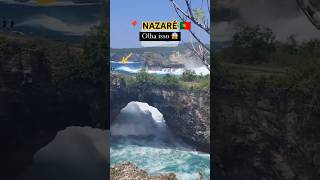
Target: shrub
[170,81]
[188,75]
[253,45]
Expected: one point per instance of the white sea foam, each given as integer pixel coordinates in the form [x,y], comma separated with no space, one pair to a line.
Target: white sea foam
[137,119]
[163,153]
[199,70]
[128,69]
[80,153]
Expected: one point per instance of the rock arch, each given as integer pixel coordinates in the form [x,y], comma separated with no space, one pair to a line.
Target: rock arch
[186,112]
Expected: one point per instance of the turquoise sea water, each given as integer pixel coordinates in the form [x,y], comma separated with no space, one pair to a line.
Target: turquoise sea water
[158,152]
[184,163]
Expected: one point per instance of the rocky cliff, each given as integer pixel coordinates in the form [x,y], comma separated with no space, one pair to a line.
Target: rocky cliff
[186,112]
[41,93]
[269,135]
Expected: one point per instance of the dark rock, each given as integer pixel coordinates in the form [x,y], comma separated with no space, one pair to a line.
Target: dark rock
[269,136]
[32,109]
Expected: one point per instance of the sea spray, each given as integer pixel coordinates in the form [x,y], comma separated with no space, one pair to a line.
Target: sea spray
[135,67]
[80,153]
[136,120]
[152,146]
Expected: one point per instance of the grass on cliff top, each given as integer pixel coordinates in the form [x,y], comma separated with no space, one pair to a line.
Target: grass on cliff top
[256,61]
[188,81]
[301,79]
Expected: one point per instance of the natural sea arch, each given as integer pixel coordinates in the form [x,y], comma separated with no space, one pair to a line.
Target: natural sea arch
[186,112]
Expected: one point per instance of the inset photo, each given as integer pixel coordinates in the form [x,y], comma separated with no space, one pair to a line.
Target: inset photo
[160,89]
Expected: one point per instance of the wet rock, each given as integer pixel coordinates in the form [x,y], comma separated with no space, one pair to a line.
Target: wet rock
[128,171]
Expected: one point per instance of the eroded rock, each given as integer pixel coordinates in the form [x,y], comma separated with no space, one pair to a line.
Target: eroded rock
[129,171]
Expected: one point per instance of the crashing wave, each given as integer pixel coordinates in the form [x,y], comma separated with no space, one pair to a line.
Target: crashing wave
[137,119]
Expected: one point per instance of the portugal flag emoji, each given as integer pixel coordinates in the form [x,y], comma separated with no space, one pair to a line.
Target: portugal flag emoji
[45,2]
[185,25]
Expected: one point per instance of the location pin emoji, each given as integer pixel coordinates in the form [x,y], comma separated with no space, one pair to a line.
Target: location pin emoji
[134,23]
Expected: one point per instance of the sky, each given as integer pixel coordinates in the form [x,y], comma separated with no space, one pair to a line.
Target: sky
[123,12]
[65,17]
[76,17]
[284,17]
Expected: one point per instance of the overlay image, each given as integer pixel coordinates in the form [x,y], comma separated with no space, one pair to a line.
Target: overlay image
[160,90]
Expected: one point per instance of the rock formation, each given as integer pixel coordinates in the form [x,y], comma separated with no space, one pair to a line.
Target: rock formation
[269,135]
[32,107]
[128,171]
[186,112]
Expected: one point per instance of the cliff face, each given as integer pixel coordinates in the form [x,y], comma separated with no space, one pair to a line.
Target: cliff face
[32,107]
[265,135]
[187,113]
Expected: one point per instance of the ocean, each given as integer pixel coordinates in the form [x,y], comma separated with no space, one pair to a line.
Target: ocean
[140,136]
[135,67]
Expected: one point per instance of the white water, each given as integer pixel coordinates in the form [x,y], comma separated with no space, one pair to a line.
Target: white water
[135,67]
[140,136]
[80,153]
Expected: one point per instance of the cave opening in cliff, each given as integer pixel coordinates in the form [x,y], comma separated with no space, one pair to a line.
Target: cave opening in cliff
[138,119]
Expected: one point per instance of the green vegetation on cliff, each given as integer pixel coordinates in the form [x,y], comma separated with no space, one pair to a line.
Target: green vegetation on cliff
[256,61]
[42,69]
[270,93]
[188,81]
